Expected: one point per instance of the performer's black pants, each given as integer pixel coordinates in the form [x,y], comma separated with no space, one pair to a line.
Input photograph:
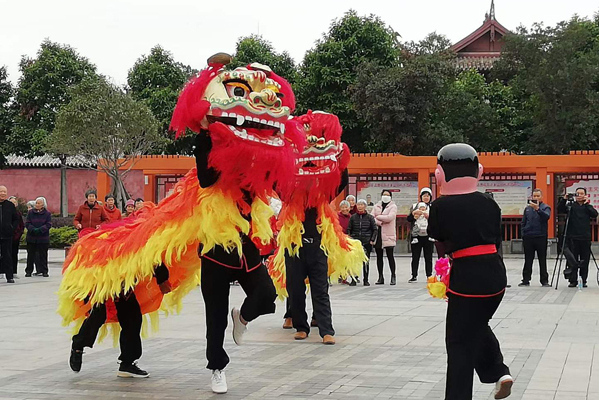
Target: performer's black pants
[130,319]
[389,251]
[471,345]
[580,250]
[15,255]
[38,253]
[427,246]
[6,265]
[215,284]
[368,247]
[531,245]
[311,262]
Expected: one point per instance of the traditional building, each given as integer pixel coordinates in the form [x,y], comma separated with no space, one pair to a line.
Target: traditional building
[482,47]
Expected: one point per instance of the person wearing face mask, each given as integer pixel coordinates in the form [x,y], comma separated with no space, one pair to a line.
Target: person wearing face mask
[420,238]
[385,218]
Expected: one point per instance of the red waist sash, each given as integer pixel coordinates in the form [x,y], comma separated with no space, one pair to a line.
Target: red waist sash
[474,251]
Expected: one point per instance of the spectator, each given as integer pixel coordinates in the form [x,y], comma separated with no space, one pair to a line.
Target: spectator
[139,203]
[39,221]
[16,237]
[112,212]
[362,227]
[129,207]
[30,205]
[352,200]
[90,214]
[534,228]
[578,234]
[9,220]
[420,238]
[344,215]
[385,218]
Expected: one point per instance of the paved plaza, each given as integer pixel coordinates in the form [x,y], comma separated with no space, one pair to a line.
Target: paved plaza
[390,345]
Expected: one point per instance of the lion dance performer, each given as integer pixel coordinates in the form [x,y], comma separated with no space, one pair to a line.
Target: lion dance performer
[219,209]
[477,275]
[311,241]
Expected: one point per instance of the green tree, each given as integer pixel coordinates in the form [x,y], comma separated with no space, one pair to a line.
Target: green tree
[107,127]
[553,72]
[6,114]
[398,102]
[156,80]
[41,92]
[330,69]
[255,48]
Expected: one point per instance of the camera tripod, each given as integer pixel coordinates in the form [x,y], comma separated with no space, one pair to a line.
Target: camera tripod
[561,254]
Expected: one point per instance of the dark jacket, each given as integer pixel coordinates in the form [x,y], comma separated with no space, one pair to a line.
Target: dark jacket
[20,228]
[90,217]
[9,219]
[38,226]
[579,219]
[535,223]
[363,227]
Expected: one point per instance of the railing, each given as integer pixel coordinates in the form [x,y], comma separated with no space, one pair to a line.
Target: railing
[511,228]
[560,224]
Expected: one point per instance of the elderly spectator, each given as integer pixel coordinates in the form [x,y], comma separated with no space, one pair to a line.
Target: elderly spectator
[112,212]
[344,214]
[385,216]
[30,205]
[362,227]
[90,214]
[352,200]
[9,220]
[139,203]
[16,237]
[39,221]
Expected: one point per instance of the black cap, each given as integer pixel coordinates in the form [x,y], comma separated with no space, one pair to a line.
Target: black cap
[458,160]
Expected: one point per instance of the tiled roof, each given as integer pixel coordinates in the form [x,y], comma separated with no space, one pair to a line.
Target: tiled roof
[45,161]
[479,63]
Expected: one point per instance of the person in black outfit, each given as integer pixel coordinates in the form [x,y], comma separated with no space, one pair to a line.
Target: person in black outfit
[534,228]
[9,220]
[362,227]
[220,267]
[467,223]
[17,236]
[129,315]
[420,240]
[578,234]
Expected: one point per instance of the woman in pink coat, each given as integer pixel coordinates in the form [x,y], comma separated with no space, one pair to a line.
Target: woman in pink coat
[385,217]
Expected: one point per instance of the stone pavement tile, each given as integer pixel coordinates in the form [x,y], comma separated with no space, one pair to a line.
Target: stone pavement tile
[563,395]
[531,394]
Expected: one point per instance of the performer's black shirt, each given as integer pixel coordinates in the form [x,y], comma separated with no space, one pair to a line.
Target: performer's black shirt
[465,220]
[468,220]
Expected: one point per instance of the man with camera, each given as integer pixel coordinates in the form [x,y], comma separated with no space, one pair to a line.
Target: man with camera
[578,233]
[534,227]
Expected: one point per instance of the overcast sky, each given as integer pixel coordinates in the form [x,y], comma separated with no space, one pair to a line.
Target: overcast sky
[113,34]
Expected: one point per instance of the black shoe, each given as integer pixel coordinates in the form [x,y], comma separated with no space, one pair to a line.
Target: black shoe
[352,283]
[413,279]
[131,371]
[38,274]
[356,279]
[546,284]
[524,284]
[45,275]
[27,275]
[572,285]
[393,281]
[75,360]
[584,284]
[366,283]
[379,281]
[10,281]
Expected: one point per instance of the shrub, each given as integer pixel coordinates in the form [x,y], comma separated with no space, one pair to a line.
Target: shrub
[59,237]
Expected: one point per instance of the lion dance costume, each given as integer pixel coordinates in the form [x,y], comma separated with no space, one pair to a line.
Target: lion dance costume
[219,210]
[311,243]
[477,277]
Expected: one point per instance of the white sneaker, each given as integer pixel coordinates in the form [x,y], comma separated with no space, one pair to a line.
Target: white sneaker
[503,387]
[218,382]
[238,328]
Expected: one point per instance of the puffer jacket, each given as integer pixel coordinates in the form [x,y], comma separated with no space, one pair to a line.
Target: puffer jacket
[363,227]
[386,219]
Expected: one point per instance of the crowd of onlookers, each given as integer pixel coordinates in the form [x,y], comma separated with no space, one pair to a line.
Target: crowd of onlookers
[37,223]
